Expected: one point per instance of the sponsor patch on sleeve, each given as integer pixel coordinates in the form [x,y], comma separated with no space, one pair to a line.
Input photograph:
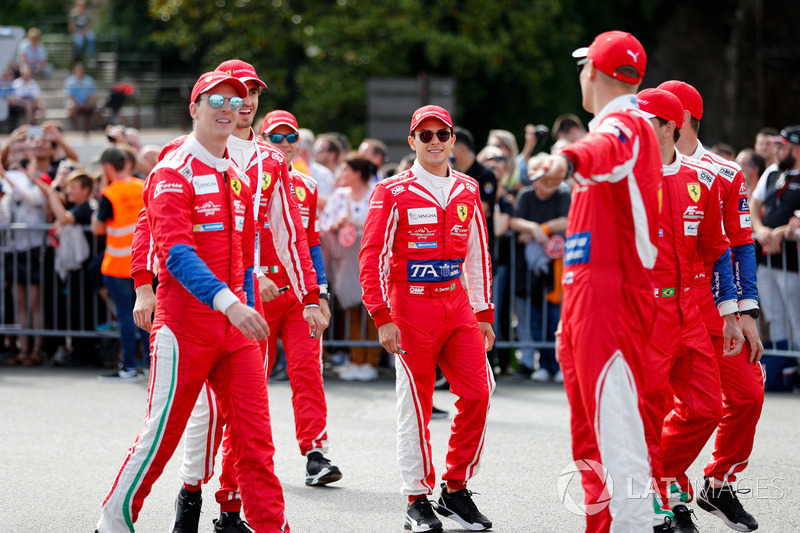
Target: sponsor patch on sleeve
[578,249]
[690,227]
[744,205]
[239,223]
[744,220]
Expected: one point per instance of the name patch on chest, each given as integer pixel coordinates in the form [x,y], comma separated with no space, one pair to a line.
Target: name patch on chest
[422,215]
[205,184]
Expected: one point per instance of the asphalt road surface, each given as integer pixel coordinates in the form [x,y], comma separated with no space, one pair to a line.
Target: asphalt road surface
[65,434]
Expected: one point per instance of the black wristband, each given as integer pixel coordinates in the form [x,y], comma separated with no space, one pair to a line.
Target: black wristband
[324,296]
[755,313]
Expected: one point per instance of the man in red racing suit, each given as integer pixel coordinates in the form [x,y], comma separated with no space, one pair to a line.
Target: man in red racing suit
[741,376]
[680,358]
[424,229]
[205,327]
[608,308]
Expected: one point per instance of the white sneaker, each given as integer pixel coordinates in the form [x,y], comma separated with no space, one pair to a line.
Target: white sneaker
[559,377]
[121,375]
[349,373]
[541,375]
[367,373]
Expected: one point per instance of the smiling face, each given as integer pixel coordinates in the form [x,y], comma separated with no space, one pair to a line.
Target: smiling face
[288,149]
[214,124]
[433,156]
[247,113]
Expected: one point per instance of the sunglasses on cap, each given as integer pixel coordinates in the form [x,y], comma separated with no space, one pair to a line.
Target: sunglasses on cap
[277,138]
[217,100]
[498,158]
[426,136]
[582,63]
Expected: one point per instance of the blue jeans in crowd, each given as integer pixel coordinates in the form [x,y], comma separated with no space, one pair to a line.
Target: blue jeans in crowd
[122,293]
[530,316]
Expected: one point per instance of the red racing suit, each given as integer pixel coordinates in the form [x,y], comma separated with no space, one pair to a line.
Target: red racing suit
[742,382]
[205,264]
[285,318]
[680,359]
[422,233]
[204,431]
[608,308]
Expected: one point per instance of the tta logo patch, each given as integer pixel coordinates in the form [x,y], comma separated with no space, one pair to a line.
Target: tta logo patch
[462,211]
[300,192]
[236,185]
[266,180]
[694,191]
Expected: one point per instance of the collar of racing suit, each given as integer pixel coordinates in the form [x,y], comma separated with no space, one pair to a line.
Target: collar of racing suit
[439,186]
[674,167]
[626,101]
[241,150]
[193,146]
[699,152]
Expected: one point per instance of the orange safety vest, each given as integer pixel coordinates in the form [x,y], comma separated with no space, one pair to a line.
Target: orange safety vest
[126,200]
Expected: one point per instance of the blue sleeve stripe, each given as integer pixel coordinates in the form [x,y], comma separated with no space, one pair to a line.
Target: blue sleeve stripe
[744,271]
[185,265]
[319,266]
[723,285]
[249,288]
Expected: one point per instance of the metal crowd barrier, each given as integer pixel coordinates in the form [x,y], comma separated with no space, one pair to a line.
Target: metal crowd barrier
[73,308]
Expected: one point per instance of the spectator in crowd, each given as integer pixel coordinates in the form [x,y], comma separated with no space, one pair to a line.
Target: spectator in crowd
[28,95]
[81,97]
[724,150]
[540,221]
[568,128]
[374,150]
[116,216]
[463,159]
[406,162]
[79,23]
[326,151]
[33,55]
[494,159]
[511,182]
[533,136]
[342,226]
[320,173]
[23,202]
[753,167]
[765,145]
[778,194]
[15,107]
[147,159]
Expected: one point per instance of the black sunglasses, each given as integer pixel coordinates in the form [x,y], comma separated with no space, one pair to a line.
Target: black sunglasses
[426,136]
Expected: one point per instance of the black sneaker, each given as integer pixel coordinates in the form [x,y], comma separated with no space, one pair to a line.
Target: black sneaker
[459,506]
[420,516]
[666,527]
[231,523]
[320,471]
[439,413]
[682,522]
[187,511]
[723,503]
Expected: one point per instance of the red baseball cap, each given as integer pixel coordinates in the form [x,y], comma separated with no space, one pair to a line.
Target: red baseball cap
[662,104]
[429,111]
[614,49]
[240,69]
[688,95]
[277,118]
[209,80]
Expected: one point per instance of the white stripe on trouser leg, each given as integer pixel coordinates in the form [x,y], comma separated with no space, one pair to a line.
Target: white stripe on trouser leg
[412,451]
[623,450]
[474,465]
[116,517]
[198,447]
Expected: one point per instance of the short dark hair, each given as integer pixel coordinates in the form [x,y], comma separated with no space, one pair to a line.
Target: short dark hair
[363,166]
[676,133]
[754,160]
[84,180]
[768,131]
[333,143]
[464,137]
[114,157]
[695,123]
